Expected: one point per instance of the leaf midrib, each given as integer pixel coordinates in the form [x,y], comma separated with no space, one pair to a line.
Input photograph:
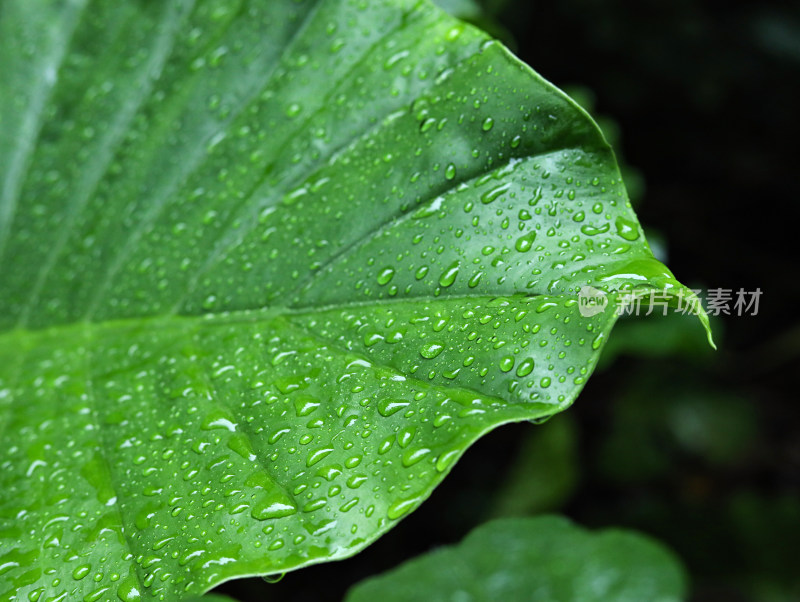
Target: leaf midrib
[61,332]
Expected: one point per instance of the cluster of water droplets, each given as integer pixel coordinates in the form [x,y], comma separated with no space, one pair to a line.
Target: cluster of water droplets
[383,219]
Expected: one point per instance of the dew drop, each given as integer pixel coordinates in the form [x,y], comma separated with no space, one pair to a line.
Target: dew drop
[318,455]
[626,229]
[385,276]
[525,242]
[525,368]
[267,509]
[448,277]
[128,590]
[401,507]
[389,406]
[507,363]
[493,194]
[431,350]
[475,280]
[446,459]
[81,572]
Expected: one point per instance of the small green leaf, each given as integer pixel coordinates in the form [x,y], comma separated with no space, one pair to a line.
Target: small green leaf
[538,559]
[267,270]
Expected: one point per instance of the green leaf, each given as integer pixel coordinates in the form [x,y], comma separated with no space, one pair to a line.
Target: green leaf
[538,559]
[268,269]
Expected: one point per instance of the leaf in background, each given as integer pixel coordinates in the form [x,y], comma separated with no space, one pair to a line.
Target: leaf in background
[681,422]
[474,12]
[268,269]
[633,178]
[544,473]
[658,337]
[461,9]
[538,559]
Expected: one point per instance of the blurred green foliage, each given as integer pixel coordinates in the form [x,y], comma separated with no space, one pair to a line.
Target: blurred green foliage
[538,560]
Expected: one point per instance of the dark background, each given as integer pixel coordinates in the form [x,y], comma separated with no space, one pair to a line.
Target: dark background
[700,449]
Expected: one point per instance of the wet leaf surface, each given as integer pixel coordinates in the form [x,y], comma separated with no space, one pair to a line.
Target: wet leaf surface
[268,269]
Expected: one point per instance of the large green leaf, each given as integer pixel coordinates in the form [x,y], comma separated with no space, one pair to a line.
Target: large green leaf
[541,559]
[268,269]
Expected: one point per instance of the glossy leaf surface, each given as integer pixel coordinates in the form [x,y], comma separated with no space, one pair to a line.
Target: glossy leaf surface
[537,559]
[267,270]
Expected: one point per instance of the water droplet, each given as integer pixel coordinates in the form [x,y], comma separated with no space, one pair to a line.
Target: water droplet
[318,455]
[507,363]
[525,368]
[81,571]
[446,459]
[414,456]
[626,229]
[475,280]
[427,124]
[448,277]
[402,507]
[385,276]
[525,242]
[545,305]
[492,195]
[394,59]
[305,405]
[431,350]
[454,32]
[389,406]
[590,230]
[128,590]
[406,435]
